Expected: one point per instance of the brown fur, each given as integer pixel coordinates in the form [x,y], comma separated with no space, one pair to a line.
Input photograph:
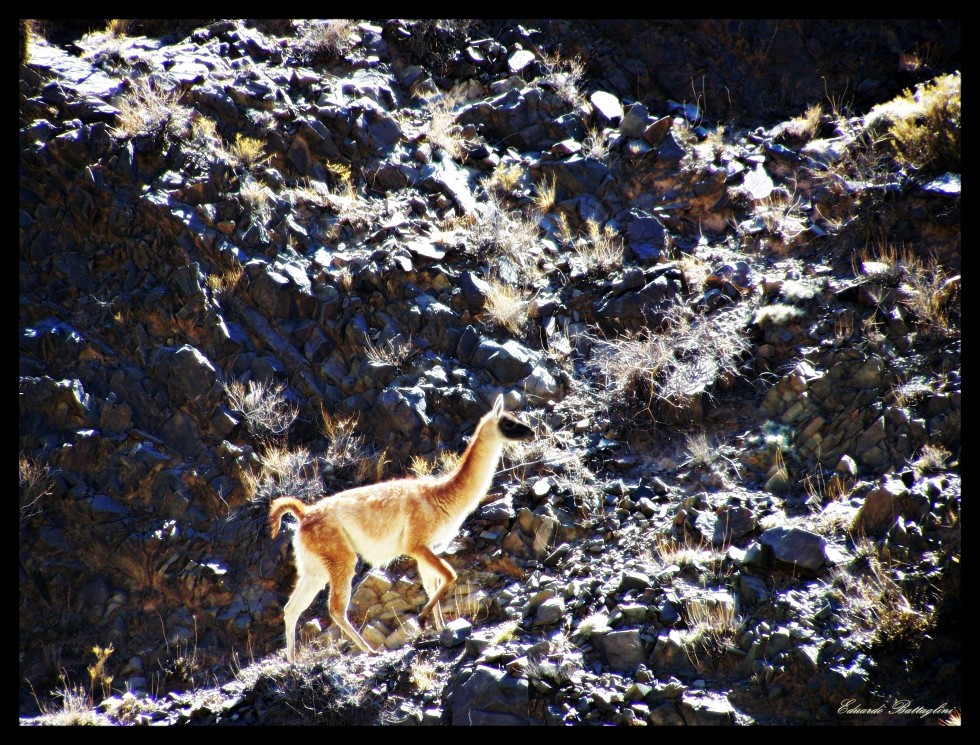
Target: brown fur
[380,522]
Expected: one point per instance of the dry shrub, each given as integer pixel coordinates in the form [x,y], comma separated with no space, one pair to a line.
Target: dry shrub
[148,110]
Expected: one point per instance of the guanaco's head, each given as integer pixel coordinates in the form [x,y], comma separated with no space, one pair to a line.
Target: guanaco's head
[509,427]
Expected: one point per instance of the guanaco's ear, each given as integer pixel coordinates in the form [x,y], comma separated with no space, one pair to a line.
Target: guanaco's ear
[498,406]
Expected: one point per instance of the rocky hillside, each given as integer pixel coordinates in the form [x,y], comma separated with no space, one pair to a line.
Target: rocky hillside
[715,265]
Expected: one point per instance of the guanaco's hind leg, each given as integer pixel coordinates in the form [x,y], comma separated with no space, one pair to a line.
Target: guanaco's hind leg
[311,579]
[430,582]
[436,573]
[341,566]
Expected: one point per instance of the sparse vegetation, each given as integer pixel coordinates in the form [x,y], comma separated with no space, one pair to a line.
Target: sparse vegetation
[286,472]
[512,237]
[118,27]
[564,74]
[544,195]
[713,626]
[879,606]
[742,344]
[600,248]
[506,307]
[36,483]
[923,126]
[804,128]
[146,109]
[266,410]
[505,178]
[443,462]
[224,286]
[323,41]
[443,131]
[777,314]
[641,369]
[247,150]
[932,459]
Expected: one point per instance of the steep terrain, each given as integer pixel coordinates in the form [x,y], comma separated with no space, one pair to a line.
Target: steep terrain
[714,264]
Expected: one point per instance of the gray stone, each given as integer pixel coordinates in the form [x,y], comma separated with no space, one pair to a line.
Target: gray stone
[635,123]
[455,632]
[550,611]
[475,291]
[487,695]
[796,546]
[519,60]
[607,106]
[731,523]
[706,709]
[508,362]
[576,174]
[881,506]
[646,236]
[621,650]
[403,409]
[451,179]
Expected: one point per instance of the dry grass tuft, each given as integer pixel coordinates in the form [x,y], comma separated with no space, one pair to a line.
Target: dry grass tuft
[507,307]
[265,408]
[247,150]
[804,128]
[224,286]
[445,461]
[443,131]
[544,194]
[564,74]
[600,248]
[118,27]
[923,126]
[880,610]
[324,41]
[511,237]
[644,368]
[148,110]
[505,178]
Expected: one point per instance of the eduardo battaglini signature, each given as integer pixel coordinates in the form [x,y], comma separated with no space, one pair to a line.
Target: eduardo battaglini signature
[899,706]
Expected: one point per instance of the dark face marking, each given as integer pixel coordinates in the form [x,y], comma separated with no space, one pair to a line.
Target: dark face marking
[513,429]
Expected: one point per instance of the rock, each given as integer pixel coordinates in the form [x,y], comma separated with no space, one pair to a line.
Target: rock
[447,177]
[880,508]
[508,362]
[732,523]
[484,695]
[519,60]
[403,409]
[455,632]
[646,236]
[796,546]
[706,709]
[607,106]
[620,650]
[636,121]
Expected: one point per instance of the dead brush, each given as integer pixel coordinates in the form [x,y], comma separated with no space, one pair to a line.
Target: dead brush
[922,126]
[443,131]
[146,109]
[323,41]
[507,307]
[600,248]
[885,617]
[266,410]
[647,370]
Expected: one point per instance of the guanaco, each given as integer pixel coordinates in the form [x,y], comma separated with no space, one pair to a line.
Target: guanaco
[416,517]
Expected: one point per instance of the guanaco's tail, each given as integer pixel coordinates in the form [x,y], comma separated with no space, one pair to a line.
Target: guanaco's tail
[284,504]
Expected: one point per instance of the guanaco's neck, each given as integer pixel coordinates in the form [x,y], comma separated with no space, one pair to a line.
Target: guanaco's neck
[470,481]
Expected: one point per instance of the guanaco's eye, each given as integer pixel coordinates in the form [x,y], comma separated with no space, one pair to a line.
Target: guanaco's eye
[514,429]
